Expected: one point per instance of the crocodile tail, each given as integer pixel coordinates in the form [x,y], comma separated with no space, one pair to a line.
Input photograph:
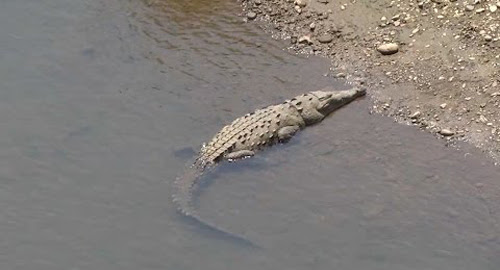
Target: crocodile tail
[183,196]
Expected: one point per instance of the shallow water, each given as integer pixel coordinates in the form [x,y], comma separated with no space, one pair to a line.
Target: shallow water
[103,102]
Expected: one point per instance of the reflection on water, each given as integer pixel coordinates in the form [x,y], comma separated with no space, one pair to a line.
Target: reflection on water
[103,102]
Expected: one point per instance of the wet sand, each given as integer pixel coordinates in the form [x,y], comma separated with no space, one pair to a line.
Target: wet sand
[441,75]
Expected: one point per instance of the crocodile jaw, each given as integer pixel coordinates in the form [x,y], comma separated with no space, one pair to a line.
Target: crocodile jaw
[330,101]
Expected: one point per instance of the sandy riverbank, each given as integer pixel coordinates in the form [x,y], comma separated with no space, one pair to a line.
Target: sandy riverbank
[444,76]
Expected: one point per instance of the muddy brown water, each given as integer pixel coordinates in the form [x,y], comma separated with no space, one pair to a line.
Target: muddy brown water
[103,102]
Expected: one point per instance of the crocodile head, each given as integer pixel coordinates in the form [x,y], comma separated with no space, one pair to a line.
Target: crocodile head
[315,105]
[329,101]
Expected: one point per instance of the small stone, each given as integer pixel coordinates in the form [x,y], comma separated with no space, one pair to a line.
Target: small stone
[305,40]
[323,1]
[301,3]
[326,38]
[415,115]
[480,10]
[446,132]
[251,15]
[258,2]
[298,9]
[488,38]
[469,7]
[312,26]
[388,48]
[443,105]
[493,8]
[483,119]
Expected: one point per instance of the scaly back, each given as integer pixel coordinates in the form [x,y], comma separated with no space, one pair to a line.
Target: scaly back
[249,132]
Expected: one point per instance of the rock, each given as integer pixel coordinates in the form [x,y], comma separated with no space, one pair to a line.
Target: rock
[483,119]
[488,38]
[323,1]
[443,105]
[305,40]
[446,132]
[415,115]
[325,38]
[469,7]
[301,3]
[258,2]
[251,15]
[388,48]
[493,8]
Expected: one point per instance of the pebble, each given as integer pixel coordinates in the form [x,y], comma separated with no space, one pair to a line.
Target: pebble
[488,38]
[301,3]
[443,105]
[326,38]
[479,10]
[251,15]
[323,1]
[493,8]
[388,48]
[483,119]
[469,7]
[446,132]
[415,115]
[305,40]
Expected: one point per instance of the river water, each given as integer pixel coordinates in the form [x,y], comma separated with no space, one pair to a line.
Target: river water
[103,102]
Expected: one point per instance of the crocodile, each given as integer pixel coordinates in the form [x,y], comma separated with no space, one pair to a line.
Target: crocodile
[255,131]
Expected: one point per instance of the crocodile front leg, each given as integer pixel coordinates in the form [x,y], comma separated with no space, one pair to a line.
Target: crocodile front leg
[285,133]
[239,155]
